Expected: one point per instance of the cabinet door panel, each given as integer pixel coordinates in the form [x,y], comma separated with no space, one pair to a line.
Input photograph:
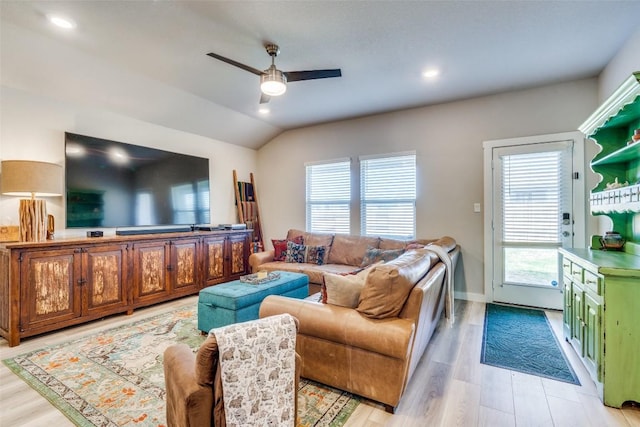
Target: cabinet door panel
[238,249]
[184,266]
[576,318]
[214,259]
[49,287]
[104,275]
[567,312]
[592,335]
[150,270]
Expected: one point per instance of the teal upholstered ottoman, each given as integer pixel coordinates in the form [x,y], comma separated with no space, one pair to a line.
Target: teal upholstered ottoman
[236,301]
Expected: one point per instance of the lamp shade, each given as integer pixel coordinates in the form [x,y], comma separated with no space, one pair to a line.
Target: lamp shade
[273,82]
[30,178]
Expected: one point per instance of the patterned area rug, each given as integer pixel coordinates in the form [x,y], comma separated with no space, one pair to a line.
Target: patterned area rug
[521,339]
[115,378]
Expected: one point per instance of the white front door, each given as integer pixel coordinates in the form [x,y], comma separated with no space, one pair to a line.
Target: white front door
[532,218]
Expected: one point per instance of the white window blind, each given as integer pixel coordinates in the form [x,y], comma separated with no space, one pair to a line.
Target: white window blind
[532,197]
[328,197]
[388,196]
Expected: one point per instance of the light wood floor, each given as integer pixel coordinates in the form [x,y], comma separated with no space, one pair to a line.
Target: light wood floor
[450,387]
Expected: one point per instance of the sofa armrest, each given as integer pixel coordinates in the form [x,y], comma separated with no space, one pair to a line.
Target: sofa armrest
[392,337]
[258,258]
[189,404]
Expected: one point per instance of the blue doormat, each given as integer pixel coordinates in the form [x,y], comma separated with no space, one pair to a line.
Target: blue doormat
[521,339]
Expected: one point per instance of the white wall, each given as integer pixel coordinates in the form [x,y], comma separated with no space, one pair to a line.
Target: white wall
[626,61]
[33,126]
[448,141]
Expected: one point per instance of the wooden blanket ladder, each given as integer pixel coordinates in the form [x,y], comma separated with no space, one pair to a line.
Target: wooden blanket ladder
[248,212]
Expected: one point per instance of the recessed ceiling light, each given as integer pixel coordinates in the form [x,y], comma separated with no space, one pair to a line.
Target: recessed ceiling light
[264,111]
[61,22]
[431,73]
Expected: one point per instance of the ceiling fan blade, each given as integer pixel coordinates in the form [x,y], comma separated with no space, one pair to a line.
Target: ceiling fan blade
[264,98]
[236,63]
[294,76]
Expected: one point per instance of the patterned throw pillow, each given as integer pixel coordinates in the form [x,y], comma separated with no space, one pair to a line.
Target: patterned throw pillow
[302,253]
[280,247]
[315,255]
[295,252]
[373,255]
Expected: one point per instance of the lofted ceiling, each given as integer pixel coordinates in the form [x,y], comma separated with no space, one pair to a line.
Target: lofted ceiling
[147,59]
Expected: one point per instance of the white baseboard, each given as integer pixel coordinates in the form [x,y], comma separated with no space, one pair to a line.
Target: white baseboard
[469,296]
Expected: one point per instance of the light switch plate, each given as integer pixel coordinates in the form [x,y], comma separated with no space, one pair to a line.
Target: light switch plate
[476,207]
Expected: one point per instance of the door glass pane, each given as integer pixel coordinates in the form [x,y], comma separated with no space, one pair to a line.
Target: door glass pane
[532,266]
[532,197]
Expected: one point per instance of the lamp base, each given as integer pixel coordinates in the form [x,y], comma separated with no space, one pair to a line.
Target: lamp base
[33,220]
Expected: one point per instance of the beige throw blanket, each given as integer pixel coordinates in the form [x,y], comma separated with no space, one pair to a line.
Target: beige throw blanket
[443,254]
[257,362]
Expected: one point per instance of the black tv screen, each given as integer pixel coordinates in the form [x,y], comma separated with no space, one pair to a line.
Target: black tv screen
[113,184]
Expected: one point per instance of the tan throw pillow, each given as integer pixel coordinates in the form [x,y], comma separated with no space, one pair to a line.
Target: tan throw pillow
[344,289]
[388,285]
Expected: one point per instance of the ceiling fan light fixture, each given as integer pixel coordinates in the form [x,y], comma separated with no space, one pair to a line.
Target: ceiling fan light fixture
[273,82]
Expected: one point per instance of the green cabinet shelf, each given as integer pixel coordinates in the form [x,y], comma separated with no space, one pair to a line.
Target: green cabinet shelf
[630,152]
[612,127]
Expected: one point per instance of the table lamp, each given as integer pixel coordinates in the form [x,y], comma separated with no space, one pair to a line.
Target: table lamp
[31,178]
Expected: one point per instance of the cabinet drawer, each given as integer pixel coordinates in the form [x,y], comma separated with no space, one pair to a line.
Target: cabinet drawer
[593,282]
[576,272]
[566,267]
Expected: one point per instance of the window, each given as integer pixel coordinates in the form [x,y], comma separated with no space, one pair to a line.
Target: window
[388,195]
[328,196]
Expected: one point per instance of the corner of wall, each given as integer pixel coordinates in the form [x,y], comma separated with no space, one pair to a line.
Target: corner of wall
[625,62]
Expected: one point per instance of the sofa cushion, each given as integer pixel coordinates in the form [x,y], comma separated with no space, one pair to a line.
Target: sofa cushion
[314,239]
[373,255]
[280,247]
[388,285]
[207,361]
[315,272]
[386,243]
[349,250]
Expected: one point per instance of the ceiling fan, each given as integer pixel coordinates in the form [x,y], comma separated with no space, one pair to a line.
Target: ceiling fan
[273,82]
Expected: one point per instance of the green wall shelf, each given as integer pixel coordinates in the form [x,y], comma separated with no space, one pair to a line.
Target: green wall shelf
[612,126]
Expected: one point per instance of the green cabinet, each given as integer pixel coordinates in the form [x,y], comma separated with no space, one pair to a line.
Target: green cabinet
[601,316]
[601,319]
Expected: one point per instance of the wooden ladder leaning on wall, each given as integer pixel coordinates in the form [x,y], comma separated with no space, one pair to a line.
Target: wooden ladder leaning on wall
[248,212]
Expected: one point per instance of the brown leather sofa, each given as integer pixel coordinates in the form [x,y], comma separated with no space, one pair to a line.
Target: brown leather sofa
[194,386]
[344,254]
[372,350]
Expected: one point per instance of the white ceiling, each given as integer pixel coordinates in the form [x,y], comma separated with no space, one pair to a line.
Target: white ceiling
[147,59]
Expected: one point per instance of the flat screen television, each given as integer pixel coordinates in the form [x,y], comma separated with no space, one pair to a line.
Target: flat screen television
[113,184]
